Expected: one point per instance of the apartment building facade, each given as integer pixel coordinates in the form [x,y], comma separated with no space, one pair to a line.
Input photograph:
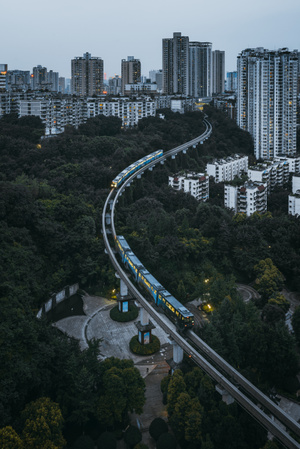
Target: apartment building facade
[267,100]
[227,169]
[246,199]
[87,75]
[196,184]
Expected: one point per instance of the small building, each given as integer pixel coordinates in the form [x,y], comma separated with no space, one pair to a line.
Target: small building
[247,199]
[295,183]
[196,184]
[227,169]
[274,173]
[294,204]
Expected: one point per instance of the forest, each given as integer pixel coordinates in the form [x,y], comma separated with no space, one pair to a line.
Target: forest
[51,196]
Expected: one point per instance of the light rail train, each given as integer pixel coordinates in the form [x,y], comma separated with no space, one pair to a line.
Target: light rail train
[117,181]
[183,318]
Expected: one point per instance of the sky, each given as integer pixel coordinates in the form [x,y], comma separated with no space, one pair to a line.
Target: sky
[52,33]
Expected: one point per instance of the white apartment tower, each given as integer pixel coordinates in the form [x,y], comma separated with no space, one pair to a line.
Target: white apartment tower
[175,64]
[267,100]
[200,69]
[87,75]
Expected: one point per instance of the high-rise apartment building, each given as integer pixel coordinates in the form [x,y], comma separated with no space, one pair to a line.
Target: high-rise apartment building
[87,75]
[267,100]
[18,80]
[130,71]
[175,64]
[39,78]
[3,74]
[231,81]
[200,69]
[218,72]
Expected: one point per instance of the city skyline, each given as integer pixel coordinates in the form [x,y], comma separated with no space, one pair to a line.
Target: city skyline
[53,36]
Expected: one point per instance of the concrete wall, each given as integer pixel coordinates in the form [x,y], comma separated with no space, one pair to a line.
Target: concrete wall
[57,298]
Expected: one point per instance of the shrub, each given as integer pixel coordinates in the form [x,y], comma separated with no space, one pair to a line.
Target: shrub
[148,349]
[107,440]
[123,317]
[166,441]
[141,446]
[157,427]
[84,442]
[132,436]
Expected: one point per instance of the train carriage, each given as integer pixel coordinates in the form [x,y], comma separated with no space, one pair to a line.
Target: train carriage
[151,284]
[121,177]
[183,317]
[133,263]
[122,246]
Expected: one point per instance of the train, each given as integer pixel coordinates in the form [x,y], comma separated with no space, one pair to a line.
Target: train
[121,177]
[180,315]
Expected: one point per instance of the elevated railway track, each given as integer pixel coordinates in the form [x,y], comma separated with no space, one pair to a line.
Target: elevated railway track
[257,404]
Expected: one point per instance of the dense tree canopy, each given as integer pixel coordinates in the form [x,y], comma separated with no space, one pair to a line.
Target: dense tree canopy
[51,196]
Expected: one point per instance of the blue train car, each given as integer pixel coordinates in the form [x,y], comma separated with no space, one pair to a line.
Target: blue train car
[151,284]
[121,177]
[122,246]
[133,263]
[177,312]
[183,317]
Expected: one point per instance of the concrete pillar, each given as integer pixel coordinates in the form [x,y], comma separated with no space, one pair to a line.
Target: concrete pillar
[177,353]
[123,288]
[144,317]
[226,397]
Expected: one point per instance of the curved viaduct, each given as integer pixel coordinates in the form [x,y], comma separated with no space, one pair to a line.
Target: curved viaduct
[265,411]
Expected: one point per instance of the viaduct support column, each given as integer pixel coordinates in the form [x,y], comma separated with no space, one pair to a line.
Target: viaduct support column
[144,327]
[123,297]
[177,355]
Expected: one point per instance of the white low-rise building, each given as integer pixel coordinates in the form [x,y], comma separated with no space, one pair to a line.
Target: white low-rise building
[273,173]
[130,112]
[293,161]
[294,204]
[227,169]
[196,184]
[295,183]
[247,199]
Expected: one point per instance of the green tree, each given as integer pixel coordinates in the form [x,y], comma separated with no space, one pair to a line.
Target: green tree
[9,439]
[43,424]
[157,427]
[132,436]
[269,280]
[186,412]
[166,441]
[123,391]
[175,388]
[296,324]
[107,440]
[280,301]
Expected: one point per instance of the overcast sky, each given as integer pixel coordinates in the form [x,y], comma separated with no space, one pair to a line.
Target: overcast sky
[52,33]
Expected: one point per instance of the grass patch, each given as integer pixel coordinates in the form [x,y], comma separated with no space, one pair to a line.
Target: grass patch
[123,317]
[148,349]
